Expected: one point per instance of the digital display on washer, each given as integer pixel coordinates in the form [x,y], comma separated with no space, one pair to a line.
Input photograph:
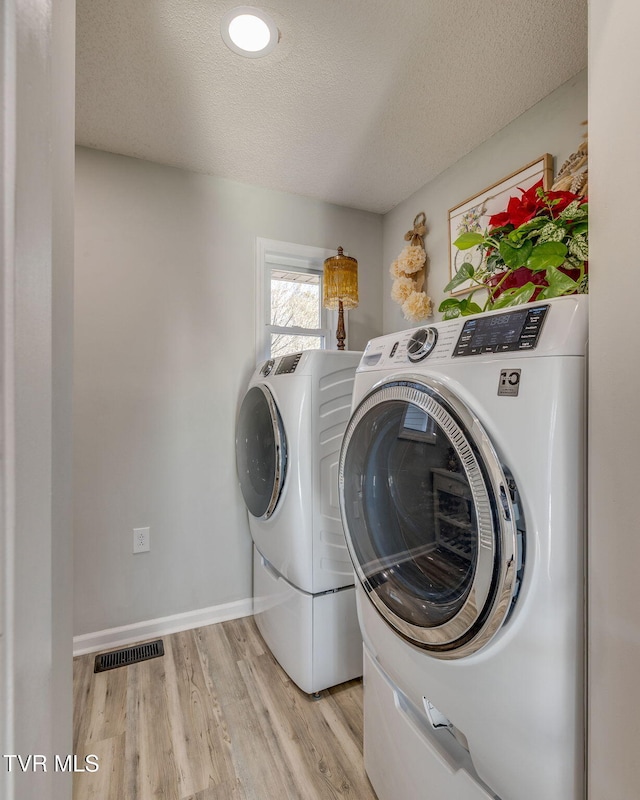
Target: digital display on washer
[499,333]
[288,364]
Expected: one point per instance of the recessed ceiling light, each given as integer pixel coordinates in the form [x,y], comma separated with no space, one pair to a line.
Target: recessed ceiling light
[249,31]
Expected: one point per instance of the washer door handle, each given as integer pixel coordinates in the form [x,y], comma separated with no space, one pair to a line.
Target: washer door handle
[504,502]
[435,717]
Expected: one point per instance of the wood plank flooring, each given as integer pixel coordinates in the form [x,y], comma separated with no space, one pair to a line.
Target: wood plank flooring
[216,718]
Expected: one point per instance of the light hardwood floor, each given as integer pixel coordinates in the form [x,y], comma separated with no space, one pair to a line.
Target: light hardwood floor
[215,718]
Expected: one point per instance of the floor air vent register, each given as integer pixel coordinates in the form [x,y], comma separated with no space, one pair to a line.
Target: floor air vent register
[128,655]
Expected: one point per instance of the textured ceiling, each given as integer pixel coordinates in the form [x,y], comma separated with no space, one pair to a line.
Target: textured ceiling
[362,102]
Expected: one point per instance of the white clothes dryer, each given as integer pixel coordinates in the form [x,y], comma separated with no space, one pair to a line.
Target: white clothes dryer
[288,438]
[462,489]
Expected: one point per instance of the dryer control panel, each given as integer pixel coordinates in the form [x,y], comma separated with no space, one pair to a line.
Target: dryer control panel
[288,364]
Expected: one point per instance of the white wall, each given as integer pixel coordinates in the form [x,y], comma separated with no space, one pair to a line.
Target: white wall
[165,276]
[36,233]
[614,388]
[62,92]
[551,126]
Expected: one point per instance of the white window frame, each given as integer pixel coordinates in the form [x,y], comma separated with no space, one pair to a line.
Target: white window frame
[297,258]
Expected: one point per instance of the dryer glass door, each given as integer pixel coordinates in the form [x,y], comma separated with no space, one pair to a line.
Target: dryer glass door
[429,516]
[261,452]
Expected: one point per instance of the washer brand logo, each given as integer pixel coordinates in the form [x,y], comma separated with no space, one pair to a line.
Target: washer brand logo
[509,383]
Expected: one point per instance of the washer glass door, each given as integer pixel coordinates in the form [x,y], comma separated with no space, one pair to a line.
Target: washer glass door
[261,451]
[429,516]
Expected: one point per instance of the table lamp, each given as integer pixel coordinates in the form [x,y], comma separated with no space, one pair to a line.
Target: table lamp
[340,288]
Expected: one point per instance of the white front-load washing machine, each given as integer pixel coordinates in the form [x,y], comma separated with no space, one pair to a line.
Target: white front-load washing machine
[462,490]
[289,431]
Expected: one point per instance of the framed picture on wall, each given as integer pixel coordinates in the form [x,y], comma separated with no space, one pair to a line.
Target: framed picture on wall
[473,213]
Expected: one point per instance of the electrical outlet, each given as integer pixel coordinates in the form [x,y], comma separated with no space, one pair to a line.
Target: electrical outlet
[141,540]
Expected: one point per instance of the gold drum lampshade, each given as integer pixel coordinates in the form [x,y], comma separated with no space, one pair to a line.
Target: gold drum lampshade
[340,281]
[340,288]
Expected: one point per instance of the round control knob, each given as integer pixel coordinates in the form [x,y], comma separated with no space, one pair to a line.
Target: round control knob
[422,343]
[268,368]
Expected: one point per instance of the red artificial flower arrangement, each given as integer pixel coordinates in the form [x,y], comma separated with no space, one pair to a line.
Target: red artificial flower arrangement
[536,249]
[530,204]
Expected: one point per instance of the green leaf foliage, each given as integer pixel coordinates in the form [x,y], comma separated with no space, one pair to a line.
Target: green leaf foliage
[573,211]
[573,263]
[529,228]
[559,284]
[513,256]
[452,312]
[549,254]
[452,307]
[515,297]
[471,308]
[579,247]
[468,240]
[494,262]
[463,274]
[552,232]
[450,302]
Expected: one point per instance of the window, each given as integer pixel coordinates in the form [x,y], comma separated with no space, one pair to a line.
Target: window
[296,311]
[290,316]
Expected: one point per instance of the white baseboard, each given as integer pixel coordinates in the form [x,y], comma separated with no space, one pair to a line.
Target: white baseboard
[139,631]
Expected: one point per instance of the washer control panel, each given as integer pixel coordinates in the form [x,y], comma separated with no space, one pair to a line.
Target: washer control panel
[412,346]
[421,344]
[554,327]
[500,333]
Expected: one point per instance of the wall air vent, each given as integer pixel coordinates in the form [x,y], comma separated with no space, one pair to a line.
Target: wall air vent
[128,655]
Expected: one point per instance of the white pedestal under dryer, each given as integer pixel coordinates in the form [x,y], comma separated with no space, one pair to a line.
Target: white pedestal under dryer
[462,488]
[288,439]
